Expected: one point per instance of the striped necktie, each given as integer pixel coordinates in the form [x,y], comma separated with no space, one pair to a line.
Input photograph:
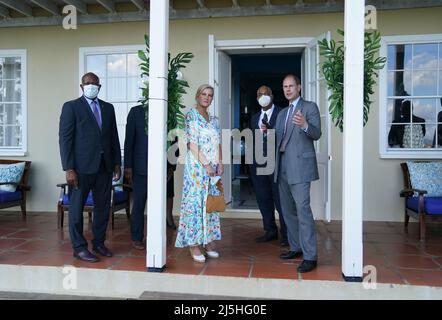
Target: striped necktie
[285,138]
[96,113]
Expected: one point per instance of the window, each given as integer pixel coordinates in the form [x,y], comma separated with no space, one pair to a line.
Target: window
[119,73]
[411,97]
[13,102]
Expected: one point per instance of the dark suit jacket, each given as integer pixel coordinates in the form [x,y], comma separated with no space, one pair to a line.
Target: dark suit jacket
[135,143]
[81,140]
[253,125]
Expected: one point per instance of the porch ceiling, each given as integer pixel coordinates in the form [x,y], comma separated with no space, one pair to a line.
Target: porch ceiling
[22,13]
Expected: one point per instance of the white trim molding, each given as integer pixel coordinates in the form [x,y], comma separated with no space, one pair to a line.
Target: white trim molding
[385,152]
[22,150]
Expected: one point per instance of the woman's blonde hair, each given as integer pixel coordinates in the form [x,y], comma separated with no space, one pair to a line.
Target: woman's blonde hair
[201,88]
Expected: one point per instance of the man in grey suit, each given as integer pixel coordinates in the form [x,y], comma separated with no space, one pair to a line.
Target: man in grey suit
[297,126]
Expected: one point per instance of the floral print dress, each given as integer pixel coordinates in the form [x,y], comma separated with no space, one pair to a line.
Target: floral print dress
[196,227]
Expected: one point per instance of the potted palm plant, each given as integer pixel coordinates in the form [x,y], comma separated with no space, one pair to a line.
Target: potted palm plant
[176,87]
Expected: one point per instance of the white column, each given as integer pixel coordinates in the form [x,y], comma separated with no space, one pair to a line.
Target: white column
[156,203]
[352,195]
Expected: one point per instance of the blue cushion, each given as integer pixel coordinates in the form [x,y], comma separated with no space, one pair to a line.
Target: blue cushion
[11,173]
[119,197]
[426,176]
[89,200]
[6,196]
[432,205]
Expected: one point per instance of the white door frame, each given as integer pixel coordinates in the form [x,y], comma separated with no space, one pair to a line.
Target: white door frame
[253,45]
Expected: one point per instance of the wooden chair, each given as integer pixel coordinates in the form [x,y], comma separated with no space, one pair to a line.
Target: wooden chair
[17,198]
[120,199]
[419,207]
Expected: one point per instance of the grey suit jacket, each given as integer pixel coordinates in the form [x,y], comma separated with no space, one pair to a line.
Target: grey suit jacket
[300,151]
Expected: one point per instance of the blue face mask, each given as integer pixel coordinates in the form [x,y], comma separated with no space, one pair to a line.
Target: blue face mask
[91,91]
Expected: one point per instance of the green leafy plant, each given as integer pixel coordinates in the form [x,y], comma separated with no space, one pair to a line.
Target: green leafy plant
[176,87]
[333,70]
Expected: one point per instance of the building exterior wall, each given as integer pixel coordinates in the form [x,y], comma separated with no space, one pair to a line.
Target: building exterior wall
[53,64]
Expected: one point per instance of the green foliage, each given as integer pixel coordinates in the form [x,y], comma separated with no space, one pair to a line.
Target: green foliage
[176,87]
[333,70]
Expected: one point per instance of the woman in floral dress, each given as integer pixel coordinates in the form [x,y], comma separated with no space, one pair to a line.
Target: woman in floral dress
[203,161]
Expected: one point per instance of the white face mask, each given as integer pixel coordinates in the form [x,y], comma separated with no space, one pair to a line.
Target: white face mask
[264,101]
[91,91]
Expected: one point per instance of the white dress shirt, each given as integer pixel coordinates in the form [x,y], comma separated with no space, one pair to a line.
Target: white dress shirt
[269,113]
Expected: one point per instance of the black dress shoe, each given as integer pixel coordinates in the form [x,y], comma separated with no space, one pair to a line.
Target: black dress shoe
[103,251]
[266,238]
[284,242]
[307,265]
[85,255]
[290,255]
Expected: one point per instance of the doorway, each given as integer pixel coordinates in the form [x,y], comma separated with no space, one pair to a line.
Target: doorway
[228,107]
[249,72]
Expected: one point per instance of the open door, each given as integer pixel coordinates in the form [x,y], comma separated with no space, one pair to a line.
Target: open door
[222,108]
[316,90]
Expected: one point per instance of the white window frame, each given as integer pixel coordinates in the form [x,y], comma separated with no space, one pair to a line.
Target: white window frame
[19,151]
[384,151]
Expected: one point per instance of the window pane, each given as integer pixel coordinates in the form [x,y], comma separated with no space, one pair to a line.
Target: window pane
[116,65]
[10,114]
[425,56]
[120,112]
[440,83]
[424,83]
[133,89]
[10,68]
[97,65]
[103,90]
[399,83]
[133,68]
[399,57]
[440,56]
[424,111]
[121,134]
[2,136]
[12,136]
[116,91]
[10,90]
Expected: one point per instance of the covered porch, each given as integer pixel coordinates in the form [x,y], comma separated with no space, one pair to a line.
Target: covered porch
[401,262]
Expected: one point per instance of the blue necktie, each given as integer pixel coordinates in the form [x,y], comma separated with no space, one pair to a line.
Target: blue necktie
[96,113]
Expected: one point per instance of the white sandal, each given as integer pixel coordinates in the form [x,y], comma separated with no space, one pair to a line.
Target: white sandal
[198,258]
[212,254]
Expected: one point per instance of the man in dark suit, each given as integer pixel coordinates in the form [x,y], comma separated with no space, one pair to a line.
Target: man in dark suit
[266,189]
[90,156]
[135,170]
[297,126]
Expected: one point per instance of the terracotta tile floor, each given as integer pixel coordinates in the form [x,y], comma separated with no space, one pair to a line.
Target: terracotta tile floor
[399,257]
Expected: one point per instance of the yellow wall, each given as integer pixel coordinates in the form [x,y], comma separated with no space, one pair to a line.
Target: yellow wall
[53,79]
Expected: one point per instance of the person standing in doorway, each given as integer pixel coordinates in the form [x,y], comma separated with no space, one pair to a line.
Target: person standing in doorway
[266,190]
[90,155]
[297,126]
